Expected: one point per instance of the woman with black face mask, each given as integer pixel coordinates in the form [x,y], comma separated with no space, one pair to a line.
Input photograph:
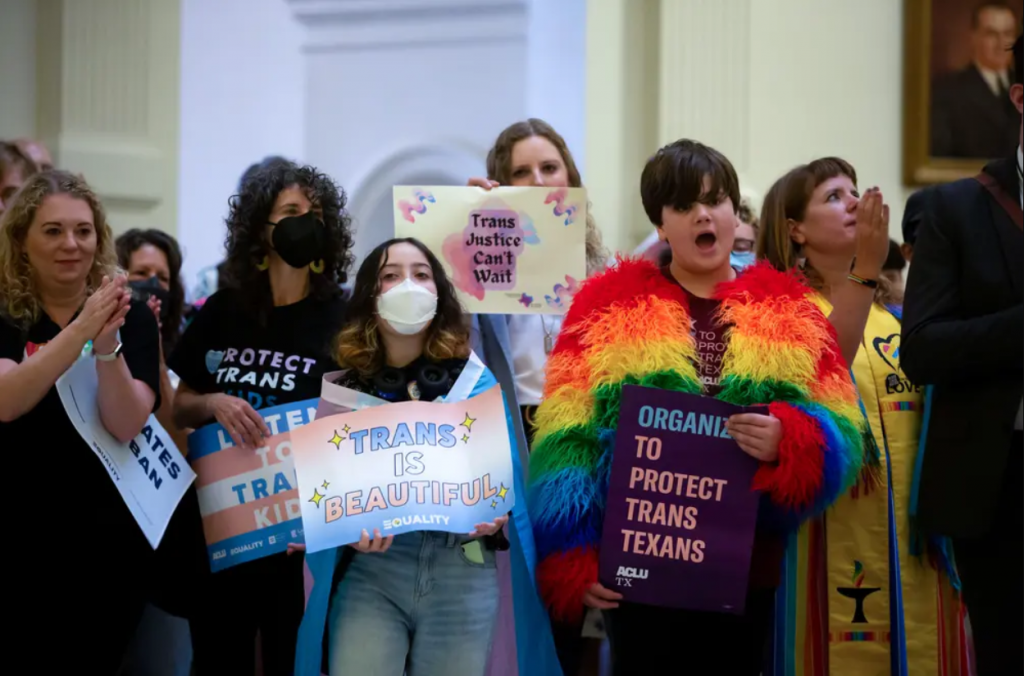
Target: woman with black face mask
[262,342]
[152,259]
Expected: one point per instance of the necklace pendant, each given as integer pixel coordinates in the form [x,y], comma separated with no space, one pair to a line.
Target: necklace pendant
[549,344]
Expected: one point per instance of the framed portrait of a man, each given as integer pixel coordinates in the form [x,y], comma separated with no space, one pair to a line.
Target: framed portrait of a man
[957,113]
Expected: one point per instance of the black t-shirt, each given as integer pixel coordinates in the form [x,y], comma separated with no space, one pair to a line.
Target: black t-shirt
[225,349]
[87,517]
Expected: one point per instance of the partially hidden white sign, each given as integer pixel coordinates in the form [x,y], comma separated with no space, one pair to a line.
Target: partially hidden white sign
[149,471]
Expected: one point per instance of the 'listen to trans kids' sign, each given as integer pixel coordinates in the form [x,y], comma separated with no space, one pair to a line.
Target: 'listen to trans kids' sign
[248,498]
[506,250]
[679,526]
[403,467]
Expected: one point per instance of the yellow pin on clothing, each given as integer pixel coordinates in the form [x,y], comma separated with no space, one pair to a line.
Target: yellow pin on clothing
[854,601]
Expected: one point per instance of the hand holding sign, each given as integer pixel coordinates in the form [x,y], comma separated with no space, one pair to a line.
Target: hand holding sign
[484,529]
[245,426]
[600,597]
[484,183]
[377,545]
[679,523]
[757,435]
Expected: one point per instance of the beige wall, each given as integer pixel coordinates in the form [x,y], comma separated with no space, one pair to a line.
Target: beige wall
[771,83]
[97,82]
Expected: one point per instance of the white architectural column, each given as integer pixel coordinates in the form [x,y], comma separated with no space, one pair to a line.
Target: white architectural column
[621,114]
[403,92]
[107,101]
[704,60]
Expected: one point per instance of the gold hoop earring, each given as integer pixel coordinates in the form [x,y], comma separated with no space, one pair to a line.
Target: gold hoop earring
[263,264]
[317,267]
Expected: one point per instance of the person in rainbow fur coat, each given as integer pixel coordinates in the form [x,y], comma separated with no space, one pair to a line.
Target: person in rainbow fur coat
[633,325]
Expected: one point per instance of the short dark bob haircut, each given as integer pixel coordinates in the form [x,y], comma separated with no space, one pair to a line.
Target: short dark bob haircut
[674,177]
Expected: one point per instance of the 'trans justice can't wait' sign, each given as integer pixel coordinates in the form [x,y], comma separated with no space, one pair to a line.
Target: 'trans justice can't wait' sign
[679,525]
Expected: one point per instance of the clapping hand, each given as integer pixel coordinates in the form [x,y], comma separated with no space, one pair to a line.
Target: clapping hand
[98,308]
[106,339]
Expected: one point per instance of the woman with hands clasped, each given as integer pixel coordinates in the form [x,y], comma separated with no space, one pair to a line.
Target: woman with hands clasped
[262,342]
[816,213]
[60,290]
[423,602]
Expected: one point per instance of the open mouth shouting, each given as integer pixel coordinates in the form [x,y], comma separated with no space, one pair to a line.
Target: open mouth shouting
[706,241]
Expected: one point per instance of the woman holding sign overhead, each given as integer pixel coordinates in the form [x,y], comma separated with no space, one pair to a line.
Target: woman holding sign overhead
[530,153]
[422,601]
[262,343]
[61,300]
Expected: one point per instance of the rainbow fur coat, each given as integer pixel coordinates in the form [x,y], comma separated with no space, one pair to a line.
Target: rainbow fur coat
[631,325]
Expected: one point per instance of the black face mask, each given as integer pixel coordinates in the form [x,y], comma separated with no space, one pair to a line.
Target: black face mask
[143,289]
[299,240]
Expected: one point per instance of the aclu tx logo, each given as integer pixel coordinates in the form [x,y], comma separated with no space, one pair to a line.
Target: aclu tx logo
[625,575]
[858,592]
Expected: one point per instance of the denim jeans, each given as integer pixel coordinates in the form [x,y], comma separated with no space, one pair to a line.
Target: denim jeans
[422,608]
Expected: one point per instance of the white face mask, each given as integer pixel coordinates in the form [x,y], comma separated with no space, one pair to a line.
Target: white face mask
[407,307]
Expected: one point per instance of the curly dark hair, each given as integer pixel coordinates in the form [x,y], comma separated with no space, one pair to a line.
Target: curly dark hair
[130,242]
[358,345]
[247,243]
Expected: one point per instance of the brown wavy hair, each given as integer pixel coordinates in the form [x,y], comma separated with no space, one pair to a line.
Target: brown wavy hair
[358,345]
[787,200]
[499,168]
[19,297]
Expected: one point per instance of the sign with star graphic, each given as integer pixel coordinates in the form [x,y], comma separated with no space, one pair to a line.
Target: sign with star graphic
[404,467]
[508,250]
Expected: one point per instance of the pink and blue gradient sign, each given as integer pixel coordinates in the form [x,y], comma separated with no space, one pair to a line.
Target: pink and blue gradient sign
[248,498]
[404,467]
[509,250]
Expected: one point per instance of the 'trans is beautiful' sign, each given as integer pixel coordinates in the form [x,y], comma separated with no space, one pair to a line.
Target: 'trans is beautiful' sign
[403,467]
[248,498]
[679,526]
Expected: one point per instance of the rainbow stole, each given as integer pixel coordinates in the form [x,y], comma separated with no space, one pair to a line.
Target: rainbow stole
[852,593]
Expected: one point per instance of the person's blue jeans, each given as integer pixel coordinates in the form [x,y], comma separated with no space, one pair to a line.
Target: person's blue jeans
[423,608]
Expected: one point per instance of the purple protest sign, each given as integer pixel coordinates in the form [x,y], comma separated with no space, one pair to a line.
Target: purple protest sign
[679,525]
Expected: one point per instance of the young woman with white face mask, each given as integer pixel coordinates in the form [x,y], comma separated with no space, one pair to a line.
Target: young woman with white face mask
[424,602]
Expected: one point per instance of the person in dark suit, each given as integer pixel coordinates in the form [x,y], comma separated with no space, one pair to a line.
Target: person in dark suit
[963,337]
[971,114]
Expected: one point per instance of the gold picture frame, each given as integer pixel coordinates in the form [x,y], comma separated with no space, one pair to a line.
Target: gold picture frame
[919,166]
